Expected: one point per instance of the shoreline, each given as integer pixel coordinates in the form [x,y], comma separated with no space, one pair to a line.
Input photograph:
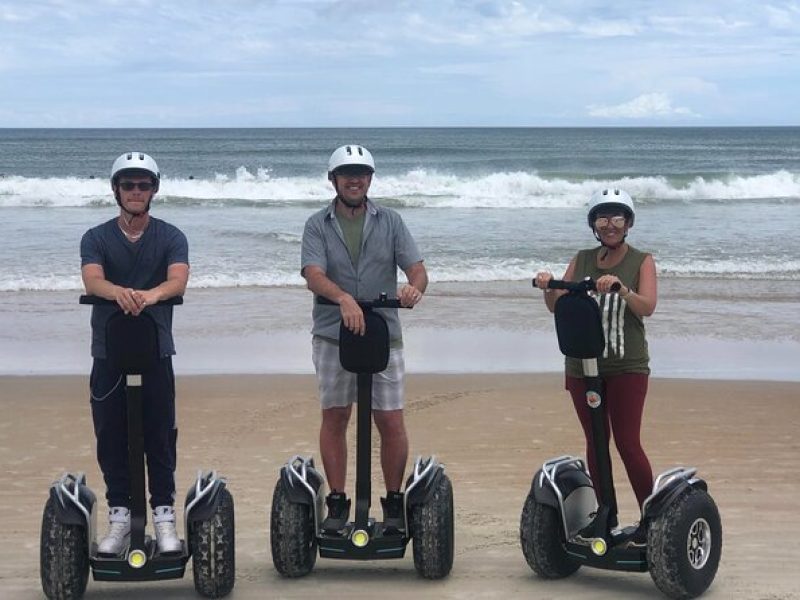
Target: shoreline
[705,328]
[491,431]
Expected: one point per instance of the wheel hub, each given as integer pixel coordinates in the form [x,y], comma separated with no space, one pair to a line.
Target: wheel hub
[698,543]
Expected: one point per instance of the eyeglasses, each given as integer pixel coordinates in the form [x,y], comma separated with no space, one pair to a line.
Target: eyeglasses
[616,221]
[144,186]
[353,171]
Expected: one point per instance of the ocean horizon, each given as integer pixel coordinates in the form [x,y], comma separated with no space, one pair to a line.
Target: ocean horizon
[719,208]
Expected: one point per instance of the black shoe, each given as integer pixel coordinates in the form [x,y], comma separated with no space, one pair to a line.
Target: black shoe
[393,518]
[638,539]
[338,512]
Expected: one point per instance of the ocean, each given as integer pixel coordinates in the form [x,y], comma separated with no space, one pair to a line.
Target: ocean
[719,208]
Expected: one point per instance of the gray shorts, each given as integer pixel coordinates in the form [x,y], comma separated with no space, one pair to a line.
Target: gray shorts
[337,387]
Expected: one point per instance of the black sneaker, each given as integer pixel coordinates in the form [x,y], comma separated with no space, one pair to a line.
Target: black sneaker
[638,539]
[338,512]
[393,521]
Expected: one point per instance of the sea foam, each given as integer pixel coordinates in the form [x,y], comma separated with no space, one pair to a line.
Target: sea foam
[416,188]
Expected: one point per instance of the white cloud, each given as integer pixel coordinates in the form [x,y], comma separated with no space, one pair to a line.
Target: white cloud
[610,29]
[645,106]
[523,62]
[783,17]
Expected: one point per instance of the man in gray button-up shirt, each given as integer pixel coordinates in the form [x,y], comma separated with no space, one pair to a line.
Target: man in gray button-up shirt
[351,251]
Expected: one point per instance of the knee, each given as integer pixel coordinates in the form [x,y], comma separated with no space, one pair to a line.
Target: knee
[390,423]
[335,420]
[630,449]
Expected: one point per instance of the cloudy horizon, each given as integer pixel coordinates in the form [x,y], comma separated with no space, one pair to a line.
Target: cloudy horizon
[360,63]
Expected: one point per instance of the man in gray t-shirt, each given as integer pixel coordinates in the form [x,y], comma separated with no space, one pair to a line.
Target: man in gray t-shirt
[351,251]
[136,261]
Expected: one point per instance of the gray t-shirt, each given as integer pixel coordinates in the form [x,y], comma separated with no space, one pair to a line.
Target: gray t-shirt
[140,265]
[386,244]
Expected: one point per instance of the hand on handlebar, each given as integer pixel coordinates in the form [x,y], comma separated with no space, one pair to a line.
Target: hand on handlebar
[542,279]
[352,315]
[409,296]
[606,284]
[129,300]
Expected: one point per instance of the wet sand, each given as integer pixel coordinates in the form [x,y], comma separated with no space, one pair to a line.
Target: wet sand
[491,431]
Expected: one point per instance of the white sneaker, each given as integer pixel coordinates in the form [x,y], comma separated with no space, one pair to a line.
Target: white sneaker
[119,531]
[166,535]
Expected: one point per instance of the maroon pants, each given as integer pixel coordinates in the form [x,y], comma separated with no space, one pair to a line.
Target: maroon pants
[624,397]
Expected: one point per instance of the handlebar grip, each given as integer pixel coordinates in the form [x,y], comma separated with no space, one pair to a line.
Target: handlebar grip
[587,284]
[381,302]
[98,301]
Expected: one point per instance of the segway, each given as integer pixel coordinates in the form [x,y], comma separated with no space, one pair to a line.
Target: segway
[68,546]
[563,527]
[296,532]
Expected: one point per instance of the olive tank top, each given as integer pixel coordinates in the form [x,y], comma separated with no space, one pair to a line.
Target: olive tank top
[626,344]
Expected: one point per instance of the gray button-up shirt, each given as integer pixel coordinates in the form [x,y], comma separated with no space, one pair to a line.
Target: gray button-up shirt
[385,245]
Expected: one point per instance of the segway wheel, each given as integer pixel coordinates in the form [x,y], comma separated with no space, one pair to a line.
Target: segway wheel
[63,558]
[213,552]
[432,530]
[541,534]
[292,537]
[684,544]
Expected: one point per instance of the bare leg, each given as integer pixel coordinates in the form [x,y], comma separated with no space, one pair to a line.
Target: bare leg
[394,447]
[333,445]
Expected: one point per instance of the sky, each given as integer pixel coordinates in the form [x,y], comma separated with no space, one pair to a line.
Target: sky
[398,63]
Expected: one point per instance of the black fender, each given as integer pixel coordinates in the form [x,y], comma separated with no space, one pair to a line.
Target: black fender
[543,492]
[568,479]
[422,492]
[205,509]
[294,488]
[669,494]
[66,510]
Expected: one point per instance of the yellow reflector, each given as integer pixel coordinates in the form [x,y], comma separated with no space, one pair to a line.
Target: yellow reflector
[599,546]
[360,538]
[136,559]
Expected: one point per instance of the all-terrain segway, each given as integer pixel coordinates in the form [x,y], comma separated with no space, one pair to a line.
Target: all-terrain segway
[563,527]
[68,546]
[297,505]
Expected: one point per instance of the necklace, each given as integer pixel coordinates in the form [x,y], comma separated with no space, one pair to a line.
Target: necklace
[131,236]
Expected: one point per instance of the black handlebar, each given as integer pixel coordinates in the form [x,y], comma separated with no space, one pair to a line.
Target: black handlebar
[97,300]
[381,302]
[587,285]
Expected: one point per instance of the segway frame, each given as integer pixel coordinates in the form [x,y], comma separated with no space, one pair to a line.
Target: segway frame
[564,484]
[75,503]
[364,538]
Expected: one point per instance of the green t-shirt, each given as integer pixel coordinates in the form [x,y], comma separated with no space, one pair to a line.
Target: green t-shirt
[353,230]
[626,344]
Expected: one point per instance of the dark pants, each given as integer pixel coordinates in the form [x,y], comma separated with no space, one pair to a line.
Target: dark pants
[109,413]
[624,397]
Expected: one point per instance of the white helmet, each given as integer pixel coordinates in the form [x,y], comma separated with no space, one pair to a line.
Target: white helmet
[138,161]
[351,154]
[610,199]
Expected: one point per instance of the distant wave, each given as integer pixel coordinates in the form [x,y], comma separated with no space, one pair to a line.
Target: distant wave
[416,188]
[470,271]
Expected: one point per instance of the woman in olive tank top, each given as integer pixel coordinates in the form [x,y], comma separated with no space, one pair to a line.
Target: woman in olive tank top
[624,367]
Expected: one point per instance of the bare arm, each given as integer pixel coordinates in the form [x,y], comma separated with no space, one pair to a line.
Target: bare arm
[133,301]
[411,293]
[319,283]
[643,301]
[550,296]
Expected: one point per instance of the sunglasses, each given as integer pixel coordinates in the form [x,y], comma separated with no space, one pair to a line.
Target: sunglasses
[144,186]
[353,171]
[617,221]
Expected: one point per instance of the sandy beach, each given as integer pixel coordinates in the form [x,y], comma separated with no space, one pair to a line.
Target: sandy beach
[491,431]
